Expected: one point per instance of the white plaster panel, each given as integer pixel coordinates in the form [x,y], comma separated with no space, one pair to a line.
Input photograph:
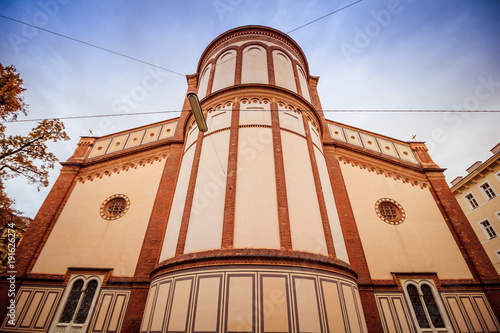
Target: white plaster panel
[117,143]
[180,306]
[306,225]
[336,132]
[315,136]
[168,130]
[192,136]
[405,153]
[353,137]
[174,220]
[254,112]
[203,85]
[152,134]
[292,121]
[387,147]
[254,65]
[331,208]
[218,119]
[307,308]
[369,142]
[224,70]
[99,148]
[82,238]
[283,71]
[207,213]
[304,86]
[135,139]
[410,246]
[256,213]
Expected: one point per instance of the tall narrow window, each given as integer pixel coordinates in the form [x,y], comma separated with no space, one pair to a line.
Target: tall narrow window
[427,311]
[472,201]
[78,304]
[488,229]
[488,191]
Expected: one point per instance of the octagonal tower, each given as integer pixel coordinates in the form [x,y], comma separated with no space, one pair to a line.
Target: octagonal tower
[253,240]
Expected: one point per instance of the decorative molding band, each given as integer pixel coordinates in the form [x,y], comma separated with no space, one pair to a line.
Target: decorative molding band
[379,171]
[116,169]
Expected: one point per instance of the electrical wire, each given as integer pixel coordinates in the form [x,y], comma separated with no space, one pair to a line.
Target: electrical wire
[92,45]
[178,111]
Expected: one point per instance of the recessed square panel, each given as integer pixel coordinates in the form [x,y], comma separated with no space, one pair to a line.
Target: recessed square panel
[405,153]
[336,132]
[99,148]
[168,130]
[369,142]
[151,135]
[353,137]
[134,139]
[387,147]
[117,143]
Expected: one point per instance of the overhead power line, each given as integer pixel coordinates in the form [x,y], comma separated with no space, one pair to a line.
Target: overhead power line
[92,45]
[177,111]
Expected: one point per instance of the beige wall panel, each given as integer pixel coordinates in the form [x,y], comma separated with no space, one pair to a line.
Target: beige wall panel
[148,308]
[305,218]
[351,309]
[274,304]
[240,303]
[315,137]
[152,134]
[99,148]
[135,139]
[369,142]
[392,248]
[174,220]
[336,132]
[224,70]
[82,238]
[180,305]
[387,147]
[207,213]
[160,306]
[118,313]
[168,130]
[256,214]
[33,306]
[207,304]
[307,305]
[203,85]
[192,136]
[486,312]
[254,112]
[117,143]
[402,314]
[218,119]
[388,316]
[46,310]
[102,312]
[333,308]
[304,86]
[353,137]
[283,71]
[254,67]
[471,314]
[292,121]
[331,208]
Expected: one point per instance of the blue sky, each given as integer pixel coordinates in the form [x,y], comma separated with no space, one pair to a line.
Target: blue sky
[375,55]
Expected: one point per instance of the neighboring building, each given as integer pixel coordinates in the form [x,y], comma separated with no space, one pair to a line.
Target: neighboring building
[478,194]
[275,220]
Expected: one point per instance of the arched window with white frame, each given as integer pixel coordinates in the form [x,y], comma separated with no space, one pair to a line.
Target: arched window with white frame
[77,304]
[428,312]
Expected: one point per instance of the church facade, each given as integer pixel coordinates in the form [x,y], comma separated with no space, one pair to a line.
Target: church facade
[276,219]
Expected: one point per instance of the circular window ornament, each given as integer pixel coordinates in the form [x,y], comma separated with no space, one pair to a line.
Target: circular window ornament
[390,211]
[114,207]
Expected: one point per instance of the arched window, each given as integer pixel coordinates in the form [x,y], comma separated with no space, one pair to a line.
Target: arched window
[78,305]
[427,309]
